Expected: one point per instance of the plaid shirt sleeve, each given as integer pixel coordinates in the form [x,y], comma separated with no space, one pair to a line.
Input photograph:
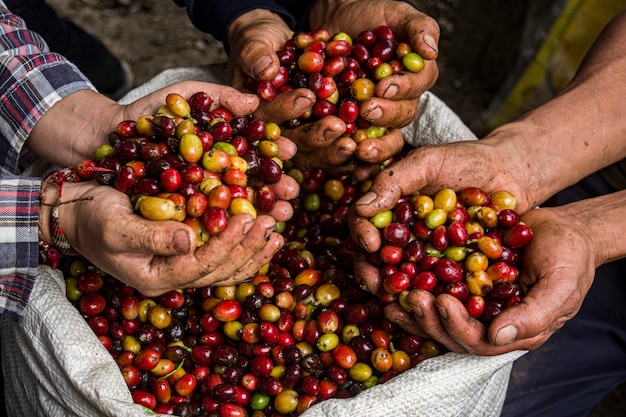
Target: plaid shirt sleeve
[32,79]
[19,242]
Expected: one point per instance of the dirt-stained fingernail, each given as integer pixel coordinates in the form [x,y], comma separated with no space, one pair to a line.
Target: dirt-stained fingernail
[430,41]
[344,154]
[442,312]
[506,335]
[367,198]
[363,244]
[374,114]
[391,91]
[261,65]
[181,241]
[417,311]
[247,226]
[302,103]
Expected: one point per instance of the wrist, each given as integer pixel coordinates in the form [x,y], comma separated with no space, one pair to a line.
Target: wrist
[52,198]
[87,119]
[604,218]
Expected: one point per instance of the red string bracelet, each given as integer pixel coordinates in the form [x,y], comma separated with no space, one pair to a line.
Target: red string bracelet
[59,240]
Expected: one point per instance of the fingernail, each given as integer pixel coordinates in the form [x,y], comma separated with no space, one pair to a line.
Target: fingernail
[506,335]
[181,241]
[261,65]
[302,103]
[344,154]
[374,114]
[390,91]
[363,244]
[417,311]
[442,312]
[247,226]
[372,154]
[367,198]
[430,41]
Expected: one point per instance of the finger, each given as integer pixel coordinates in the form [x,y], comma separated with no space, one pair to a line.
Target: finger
[527,325]
[245,260]
[336,158]
[463,329]
[257,58]
[389,113]
[364,171]
[217,250]
[378,150]
[260,259]
[286,148]
[316,135]
[423,32]
[367,274]
[237,102]
[286,106]
[426,314]
[396,314]
[167,238]
[408,85]
[382,195]
[364,232]
[282,211]
[286,188]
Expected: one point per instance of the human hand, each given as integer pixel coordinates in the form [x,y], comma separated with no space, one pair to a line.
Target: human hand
[397,96]
[254,37]
[78,124]
[557,271]
[158,256]
[489,164]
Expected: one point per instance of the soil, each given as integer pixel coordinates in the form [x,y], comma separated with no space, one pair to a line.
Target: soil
[478,47]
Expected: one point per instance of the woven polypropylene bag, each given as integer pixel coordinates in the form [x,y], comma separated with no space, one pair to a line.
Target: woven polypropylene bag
[54,365]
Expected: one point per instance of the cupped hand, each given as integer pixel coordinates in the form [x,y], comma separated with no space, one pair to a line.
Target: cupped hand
[426,170]
[158,256]
[397,96]
[557,271]
[89,117]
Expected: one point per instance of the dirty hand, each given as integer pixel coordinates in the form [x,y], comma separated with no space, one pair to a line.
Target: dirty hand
[158,256]
[557,271]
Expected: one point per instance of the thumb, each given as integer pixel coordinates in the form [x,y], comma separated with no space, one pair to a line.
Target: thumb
[162,238]
[382,195]
[258,59]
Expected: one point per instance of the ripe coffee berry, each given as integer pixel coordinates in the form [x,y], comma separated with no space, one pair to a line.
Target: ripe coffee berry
[461,244]
[342,73]
[171,162]
[299,332]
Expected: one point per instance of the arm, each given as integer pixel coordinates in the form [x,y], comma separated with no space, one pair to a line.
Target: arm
[577,133]
[33,80]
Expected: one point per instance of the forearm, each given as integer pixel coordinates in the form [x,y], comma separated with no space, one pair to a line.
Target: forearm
[33,80]
[580,131]
[603,220]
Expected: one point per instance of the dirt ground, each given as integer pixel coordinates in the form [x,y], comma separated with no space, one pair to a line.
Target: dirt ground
[156,35]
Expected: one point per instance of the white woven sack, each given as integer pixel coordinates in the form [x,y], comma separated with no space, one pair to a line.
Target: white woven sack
[54,365]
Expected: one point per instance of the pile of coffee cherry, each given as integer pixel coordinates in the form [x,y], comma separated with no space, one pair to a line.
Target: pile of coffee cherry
[467,244]
[342,73]
[299,332]
[189,163]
